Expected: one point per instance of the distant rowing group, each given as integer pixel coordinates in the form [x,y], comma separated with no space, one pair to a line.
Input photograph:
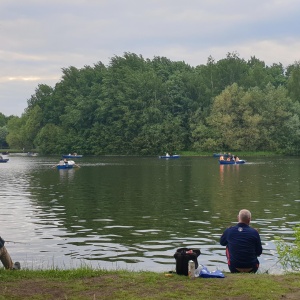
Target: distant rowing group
[66,164]
[230,157]
[230,160]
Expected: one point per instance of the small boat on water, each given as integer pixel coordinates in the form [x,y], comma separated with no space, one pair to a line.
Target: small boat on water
[66,166]
[4,160]
[232,162]
[75,155]
[32,154]
[170,156]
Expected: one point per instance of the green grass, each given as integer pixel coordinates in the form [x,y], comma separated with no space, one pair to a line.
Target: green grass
[86,283]
[16,150]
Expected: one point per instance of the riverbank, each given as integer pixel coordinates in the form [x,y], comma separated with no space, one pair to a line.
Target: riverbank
[238,153]
[101,284]
[181,153]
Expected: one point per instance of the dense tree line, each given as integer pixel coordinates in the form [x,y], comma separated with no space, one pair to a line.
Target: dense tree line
[3,130]
[146,107]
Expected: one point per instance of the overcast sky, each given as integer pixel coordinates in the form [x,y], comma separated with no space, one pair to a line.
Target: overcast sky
[40,37]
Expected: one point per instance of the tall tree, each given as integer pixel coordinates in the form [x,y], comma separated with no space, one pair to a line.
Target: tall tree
[15,137]
[293,81]
[3,135]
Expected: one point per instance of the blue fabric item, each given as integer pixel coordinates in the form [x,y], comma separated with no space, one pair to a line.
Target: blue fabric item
[204,273]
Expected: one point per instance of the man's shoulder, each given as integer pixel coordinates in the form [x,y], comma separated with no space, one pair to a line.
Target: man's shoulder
[232,227]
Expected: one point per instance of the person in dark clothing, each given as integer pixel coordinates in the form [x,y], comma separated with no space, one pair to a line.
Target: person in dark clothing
[243,245]
[6,259]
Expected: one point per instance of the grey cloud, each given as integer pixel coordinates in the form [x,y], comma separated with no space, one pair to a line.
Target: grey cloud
[38,38]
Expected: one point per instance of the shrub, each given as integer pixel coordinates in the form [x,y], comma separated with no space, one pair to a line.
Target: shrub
[289,252]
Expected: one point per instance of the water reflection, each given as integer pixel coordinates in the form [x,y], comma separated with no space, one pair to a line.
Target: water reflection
[134,213]
[66,175]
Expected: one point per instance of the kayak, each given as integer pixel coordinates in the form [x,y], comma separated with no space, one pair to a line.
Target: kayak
[232,162]
[4,160]
[66,166]
[169,156]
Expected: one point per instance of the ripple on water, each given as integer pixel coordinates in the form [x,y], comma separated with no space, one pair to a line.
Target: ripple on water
[133,214]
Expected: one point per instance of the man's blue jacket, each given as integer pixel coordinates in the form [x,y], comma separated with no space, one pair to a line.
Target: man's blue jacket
[243,245]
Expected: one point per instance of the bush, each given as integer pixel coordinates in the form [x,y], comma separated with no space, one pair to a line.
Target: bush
[289,253]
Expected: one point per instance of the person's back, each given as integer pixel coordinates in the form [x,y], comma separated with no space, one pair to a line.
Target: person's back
[71,162]
[243,245]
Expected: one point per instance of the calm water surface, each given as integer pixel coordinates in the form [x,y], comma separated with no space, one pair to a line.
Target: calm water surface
[133,212]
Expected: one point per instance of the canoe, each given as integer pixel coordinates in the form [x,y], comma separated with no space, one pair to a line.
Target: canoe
[170,156]
[232,162]
[71,156]
[69,165]
[4,160]
[66,166]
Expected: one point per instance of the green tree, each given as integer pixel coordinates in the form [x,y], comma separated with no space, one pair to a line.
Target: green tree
[3,135]
[203,136]
[227,117]
[293,81]
[143,106]
[3,120]
[43,97]
[275,109]
[230,70]
[277,74]
[51,139]
[32,126]
[257,75]
[15,137]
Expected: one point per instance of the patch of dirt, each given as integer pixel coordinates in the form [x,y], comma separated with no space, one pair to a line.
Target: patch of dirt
[111,286]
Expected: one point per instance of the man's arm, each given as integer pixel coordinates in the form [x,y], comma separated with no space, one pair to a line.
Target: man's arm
[223,239]
[258,246]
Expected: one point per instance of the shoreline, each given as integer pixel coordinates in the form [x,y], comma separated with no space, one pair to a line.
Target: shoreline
[86,283]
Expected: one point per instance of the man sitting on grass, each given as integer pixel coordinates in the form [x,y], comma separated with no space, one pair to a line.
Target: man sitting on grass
[243,245]
[6,259]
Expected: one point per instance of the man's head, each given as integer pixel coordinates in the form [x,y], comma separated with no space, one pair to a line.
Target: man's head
[244,216]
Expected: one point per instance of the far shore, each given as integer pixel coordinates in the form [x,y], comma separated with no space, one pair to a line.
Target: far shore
[181,153]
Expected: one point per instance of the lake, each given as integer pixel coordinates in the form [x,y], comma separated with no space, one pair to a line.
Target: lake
[134,212]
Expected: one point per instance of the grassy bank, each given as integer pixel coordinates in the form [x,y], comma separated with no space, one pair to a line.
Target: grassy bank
[101,284]
[239,153]
[181,153]
[15,150]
